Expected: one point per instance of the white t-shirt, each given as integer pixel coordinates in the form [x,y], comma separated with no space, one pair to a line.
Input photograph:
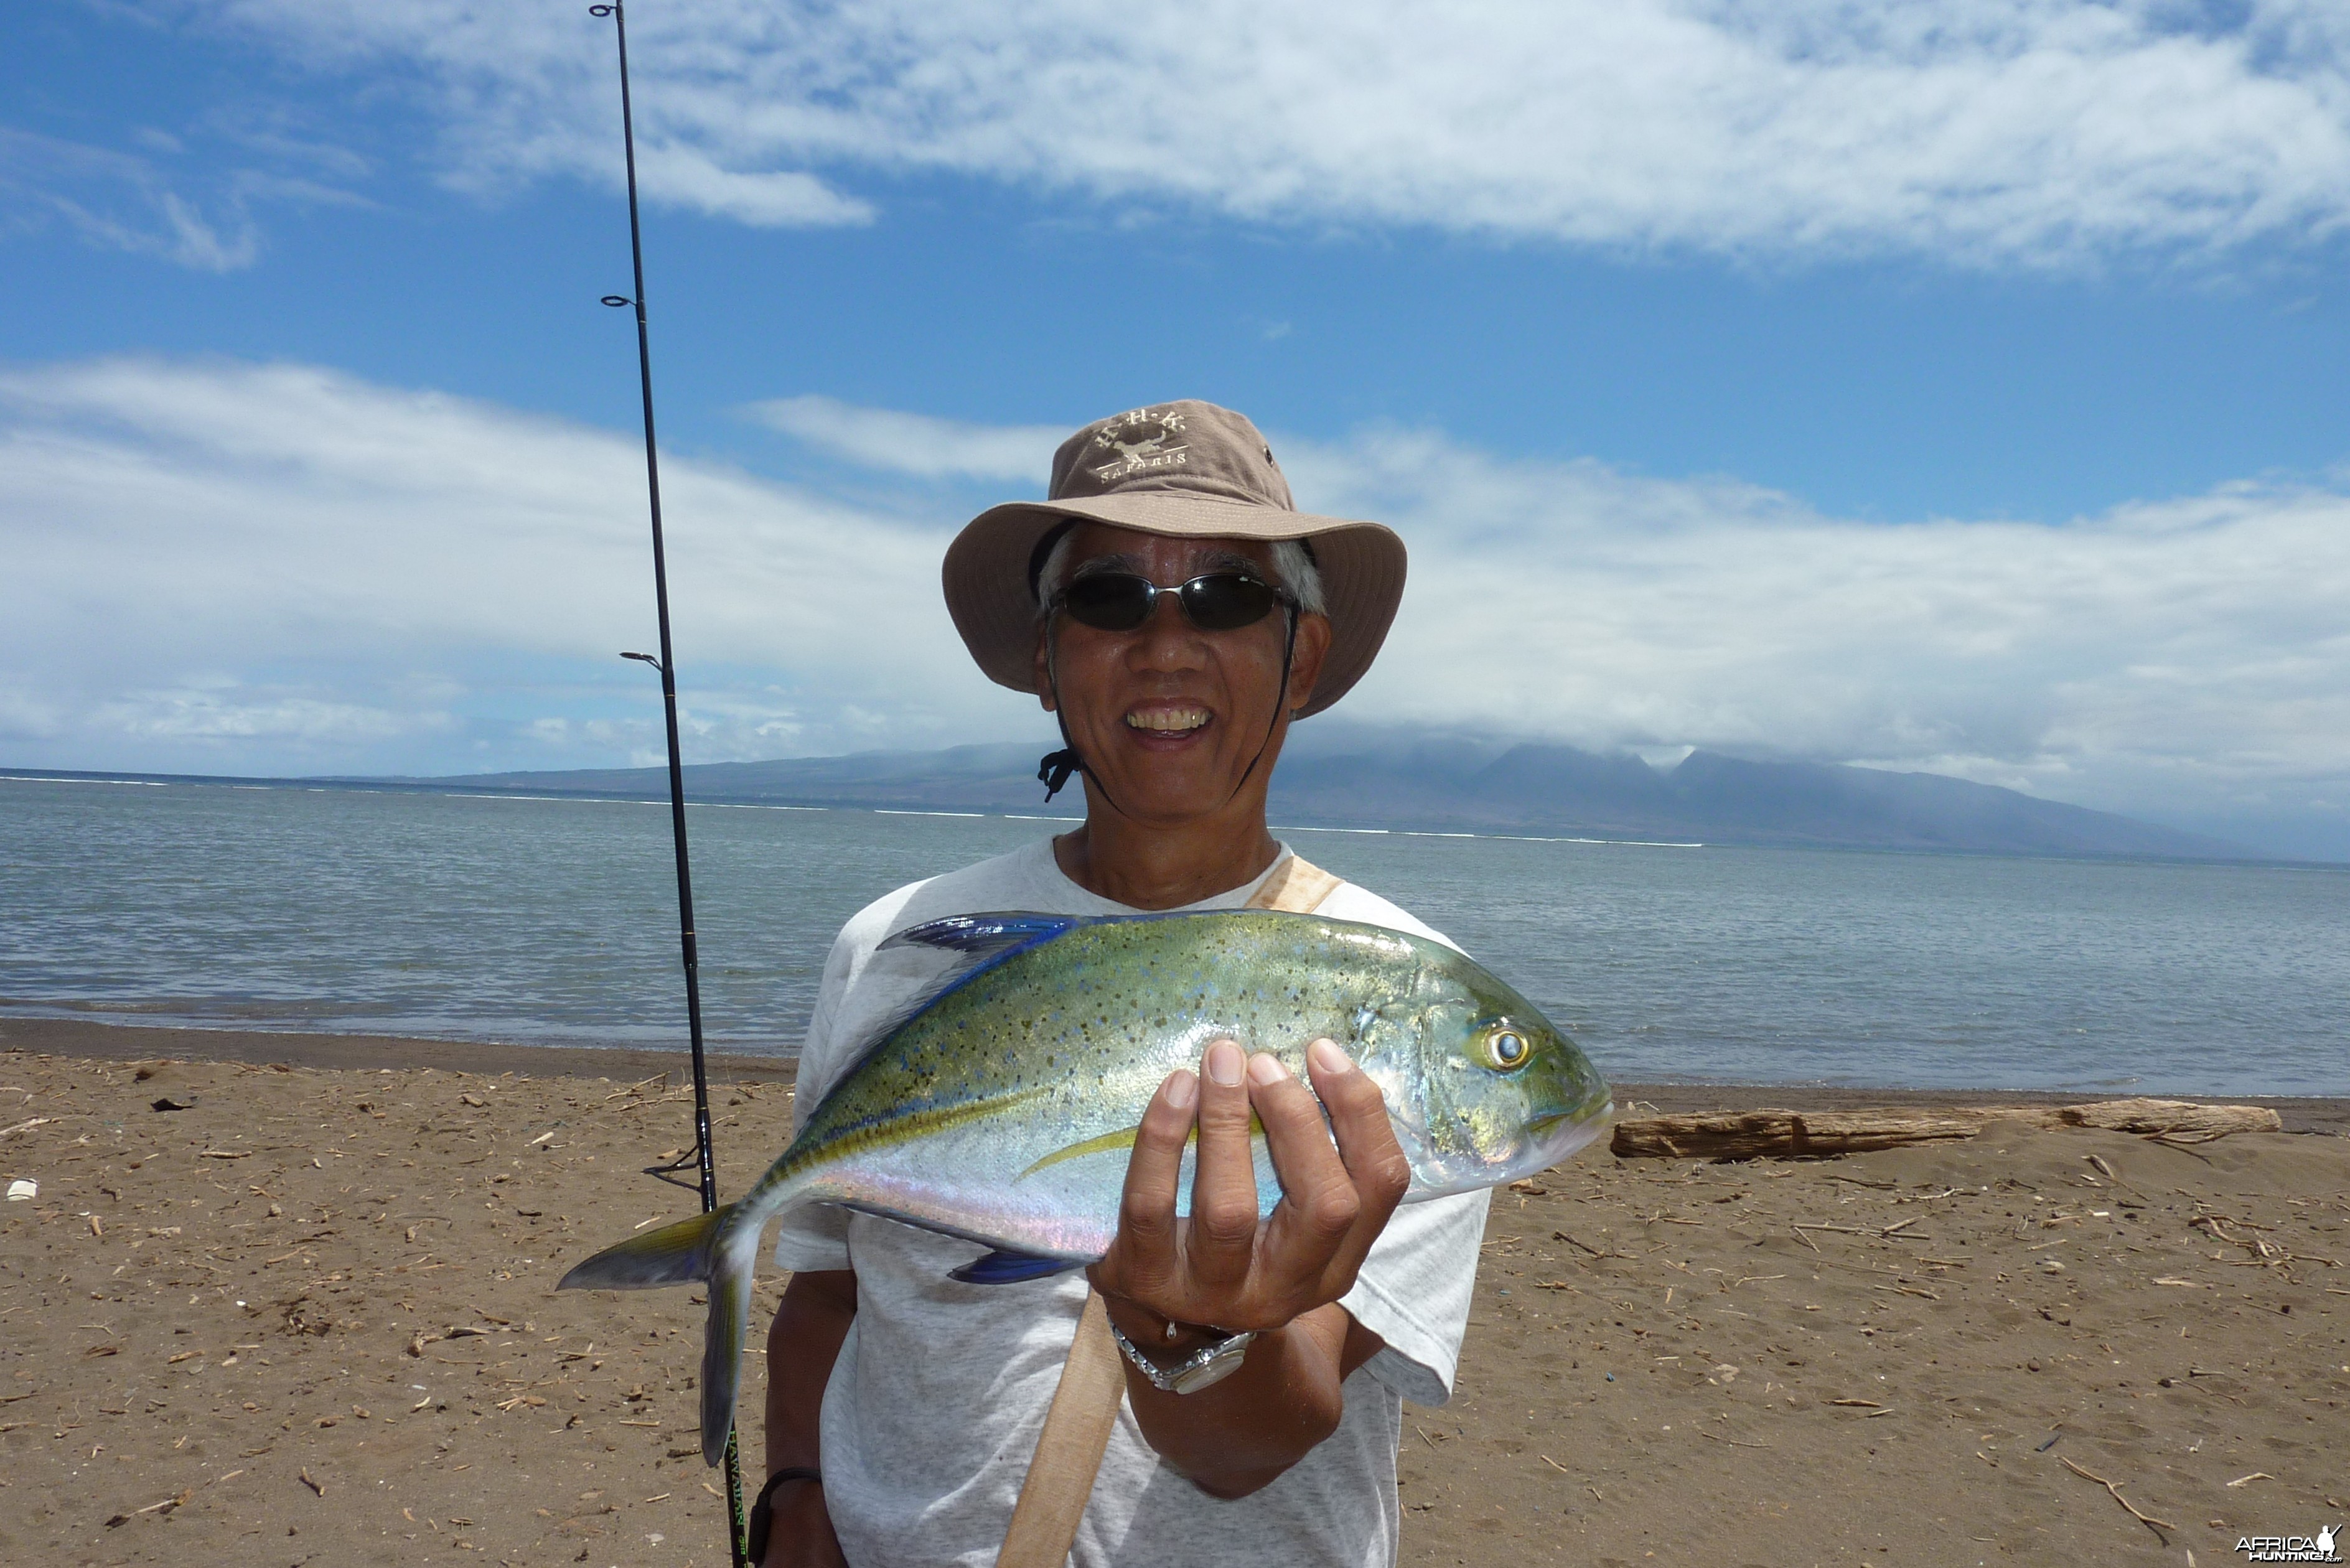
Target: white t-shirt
[936,1401]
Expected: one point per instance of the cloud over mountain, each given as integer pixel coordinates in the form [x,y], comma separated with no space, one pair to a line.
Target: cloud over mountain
[228,566]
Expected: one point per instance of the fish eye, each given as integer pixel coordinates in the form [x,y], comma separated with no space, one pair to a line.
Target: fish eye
[1507,1048]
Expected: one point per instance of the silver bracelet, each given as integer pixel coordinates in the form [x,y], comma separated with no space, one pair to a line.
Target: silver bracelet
[1204,1367]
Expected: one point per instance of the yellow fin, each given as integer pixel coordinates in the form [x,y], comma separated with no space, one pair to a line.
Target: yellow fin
[1122,1138]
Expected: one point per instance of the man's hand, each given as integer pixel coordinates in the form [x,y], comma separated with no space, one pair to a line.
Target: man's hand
[1223,1267]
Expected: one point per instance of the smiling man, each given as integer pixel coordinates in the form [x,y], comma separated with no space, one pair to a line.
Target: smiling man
[1176,612]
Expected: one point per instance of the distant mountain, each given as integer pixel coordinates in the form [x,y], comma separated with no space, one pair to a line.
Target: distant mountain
[1336,777]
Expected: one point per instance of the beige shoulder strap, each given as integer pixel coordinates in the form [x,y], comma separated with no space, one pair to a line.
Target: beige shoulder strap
[1296,886]
[1069,1452]
[1085,1405]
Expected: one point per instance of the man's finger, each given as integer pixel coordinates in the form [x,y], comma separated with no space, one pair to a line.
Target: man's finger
[1318,1202]
[1359,1120]
[1222,1235]
[1146,1214]
[1375,1163]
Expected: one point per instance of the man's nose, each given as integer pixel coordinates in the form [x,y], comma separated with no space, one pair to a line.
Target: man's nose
[1168,639]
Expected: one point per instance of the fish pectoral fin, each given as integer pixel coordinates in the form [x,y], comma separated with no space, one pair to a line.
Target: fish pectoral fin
[1108,1143]
[1005,1267]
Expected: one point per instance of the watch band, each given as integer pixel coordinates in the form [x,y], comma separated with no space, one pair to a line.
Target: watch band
[762,1512]
[1203,1368]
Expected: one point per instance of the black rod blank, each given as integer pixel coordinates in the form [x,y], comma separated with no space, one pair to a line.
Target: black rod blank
[736,1534]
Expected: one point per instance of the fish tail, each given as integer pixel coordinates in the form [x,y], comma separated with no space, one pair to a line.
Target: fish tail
[709,1249]
[676,1255]
[737,1262]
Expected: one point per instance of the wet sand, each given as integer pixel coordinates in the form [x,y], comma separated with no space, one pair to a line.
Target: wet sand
[305,1314]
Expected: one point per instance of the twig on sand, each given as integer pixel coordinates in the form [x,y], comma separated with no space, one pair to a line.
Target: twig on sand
[1554,1464]
[2111,1174]
[1735,1442]
[1562,1236]
[164,1507]
[2157,1525]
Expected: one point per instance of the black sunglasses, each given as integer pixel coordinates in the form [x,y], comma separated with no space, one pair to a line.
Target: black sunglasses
[1216,601]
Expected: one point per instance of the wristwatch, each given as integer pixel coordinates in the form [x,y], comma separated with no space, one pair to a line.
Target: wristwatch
[1204,1367]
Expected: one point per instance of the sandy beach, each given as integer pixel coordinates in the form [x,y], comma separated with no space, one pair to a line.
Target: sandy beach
[288,1299]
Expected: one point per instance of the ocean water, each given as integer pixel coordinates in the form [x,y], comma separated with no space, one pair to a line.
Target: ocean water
[554,921]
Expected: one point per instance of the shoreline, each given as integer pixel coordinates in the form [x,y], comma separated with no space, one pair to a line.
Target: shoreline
[456,787]
[2326,1114]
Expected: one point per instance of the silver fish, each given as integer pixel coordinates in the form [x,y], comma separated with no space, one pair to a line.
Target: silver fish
[1000,1105]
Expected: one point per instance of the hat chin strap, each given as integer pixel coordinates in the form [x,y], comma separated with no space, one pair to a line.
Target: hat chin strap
[1053,770]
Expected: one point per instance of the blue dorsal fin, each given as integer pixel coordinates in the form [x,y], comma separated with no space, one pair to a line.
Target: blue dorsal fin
[974,944]
[1002,1267]
[997,936]
[979,943]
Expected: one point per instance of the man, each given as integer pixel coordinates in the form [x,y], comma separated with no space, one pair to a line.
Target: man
[1175,612]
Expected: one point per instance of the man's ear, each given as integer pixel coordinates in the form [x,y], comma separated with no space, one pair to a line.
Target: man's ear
[1044,666]
[1305,661]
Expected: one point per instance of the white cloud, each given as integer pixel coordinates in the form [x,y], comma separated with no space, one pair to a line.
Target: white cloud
[120,202]
[1989,132]
[2181,656]
[787,199]
[196,714]
[278,566]
[190,205]
[914,444]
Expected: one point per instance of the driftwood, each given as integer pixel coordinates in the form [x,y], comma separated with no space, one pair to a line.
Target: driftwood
[1748,1135]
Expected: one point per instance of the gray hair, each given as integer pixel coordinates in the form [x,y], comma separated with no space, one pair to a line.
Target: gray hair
[1293,568]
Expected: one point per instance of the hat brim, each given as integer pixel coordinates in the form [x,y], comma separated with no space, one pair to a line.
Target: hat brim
[988,594]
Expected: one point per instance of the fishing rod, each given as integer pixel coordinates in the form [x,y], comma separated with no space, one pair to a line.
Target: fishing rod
[736,1534]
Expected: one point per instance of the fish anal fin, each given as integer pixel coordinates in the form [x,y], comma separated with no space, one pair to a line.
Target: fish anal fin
[1005,1267]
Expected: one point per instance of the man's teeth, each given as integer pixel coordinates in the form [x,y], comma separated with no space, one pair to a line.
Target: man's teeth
[1173,720]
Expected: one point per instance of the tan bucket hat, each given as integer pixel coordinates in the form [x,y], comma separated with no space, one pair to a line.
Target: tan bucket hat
[1188,469]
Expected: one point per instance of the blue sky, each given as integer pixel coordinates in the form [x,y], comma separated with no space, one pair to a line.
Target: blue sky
[1954,386]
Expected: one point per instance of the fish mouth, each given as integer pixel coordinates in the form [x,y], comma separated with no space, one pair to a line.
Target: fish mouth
[1561,1133]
